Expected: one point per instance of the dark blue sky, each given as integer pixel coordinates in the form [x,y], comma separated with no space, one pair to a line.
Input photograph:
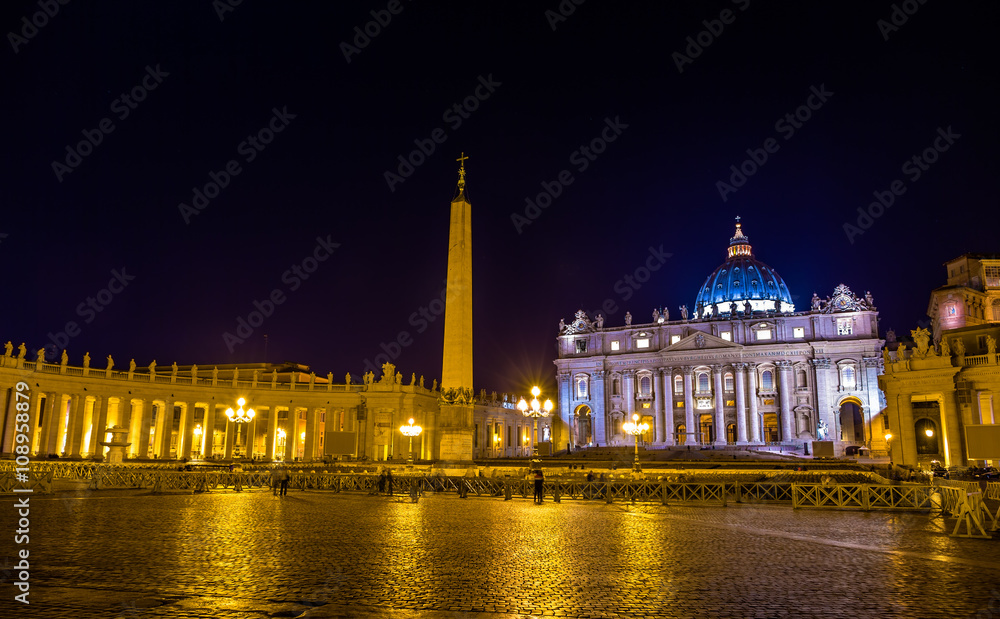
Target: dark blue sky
[208,84]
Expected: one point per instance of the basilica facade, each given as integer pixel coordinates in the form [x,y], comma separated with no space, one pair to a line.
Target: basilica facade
[744,368]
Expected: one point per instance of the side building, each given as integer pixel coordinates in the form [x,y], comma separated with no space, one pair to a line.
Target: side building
[745,369]
[950,378]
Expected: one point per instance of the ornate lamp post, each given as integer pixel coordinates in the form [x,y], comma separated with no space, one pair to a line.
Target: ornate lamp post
[197,440]
[888,446]
[410,431]
[635,429]
[240,417]
[536,410]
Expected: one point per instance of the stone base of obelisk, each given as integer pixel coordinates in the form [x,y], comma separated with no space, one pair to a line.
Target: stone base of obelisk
[455,434]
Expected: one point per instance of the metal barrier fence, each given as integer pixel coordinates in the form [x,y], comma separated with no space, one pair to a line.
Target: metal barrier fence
[861,496]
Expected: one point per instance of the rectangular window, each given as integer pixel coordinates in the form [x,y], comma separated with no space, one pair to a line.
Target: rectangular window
[798,332]
[981,341]
[992,276]
[581,345]
[674,339]
[730,402]
[679,404]
[727,335]
[763,334]
[845,326]
[642,342]
[646,405]
[616,345]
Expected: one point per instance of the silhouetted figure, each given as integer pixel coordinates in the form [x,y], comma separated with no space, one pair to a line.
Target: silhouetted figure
[388,480]
[539,480]
[381,482]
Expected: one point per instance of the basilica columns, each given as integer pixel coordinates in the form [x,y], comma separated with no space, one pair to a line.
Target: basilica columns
[272,433]
[741,410]
[785,388]
[598,408]
[208,427]
[720,415]
[664,399]
[755,425]
[691,429]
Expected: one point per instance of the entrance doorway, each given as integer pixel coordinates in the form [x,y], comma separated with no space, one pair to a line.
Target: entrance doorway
[584,426]
[707,428]
[771,428]
[852,423]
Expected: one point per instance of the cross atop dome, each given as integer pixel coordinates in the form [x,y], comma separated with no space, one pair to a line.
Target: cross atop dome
[739,245]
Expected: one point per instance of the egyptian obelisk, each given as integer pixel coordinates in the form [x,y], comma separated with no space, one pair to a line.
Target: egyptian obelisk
[455,421]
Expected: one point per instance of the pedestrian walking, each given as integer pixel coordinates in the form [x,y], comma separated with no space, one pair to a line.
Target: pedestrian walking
[539,480]
[381,482]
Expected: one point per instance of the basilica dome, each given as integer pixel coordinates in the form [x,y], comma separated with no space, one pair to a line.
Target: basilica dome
[742,278]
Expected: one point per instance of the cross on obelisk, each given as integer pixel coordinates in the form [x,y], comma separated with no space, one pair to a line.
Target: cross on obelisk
[461,170]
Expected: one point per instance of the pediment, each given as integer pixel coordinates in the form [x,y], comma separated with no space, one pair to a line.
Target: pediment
[698,340]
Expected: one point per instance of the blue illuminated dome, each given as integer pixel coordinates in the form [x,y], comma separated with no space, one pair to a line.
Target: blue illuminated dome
[742,278]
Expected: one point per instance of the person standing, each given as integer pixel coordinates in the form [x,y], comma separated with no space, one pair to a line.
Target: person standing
[539,480]
[381,482]
[388,481]
[284,476]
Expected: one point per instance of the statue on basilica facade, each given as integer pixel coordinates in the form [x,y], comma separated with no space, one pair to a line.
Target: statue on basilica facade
[413,379]
[40,355]
[347,379]
[421,381]
[131,365]
[388,372]
[656,315]
[8,349]
[600,321]
[922,337]
[152,367]
[666,314]
[815,303]
[21,351]
[732,308]
[434,385]
[86,359]
[991,345]
[886,360]
[890,336]
[747,307]
[684,312]
[64,359]
[945,348]
[562,325]
[194,373]
[959,347]
[869,300]
[173,369]
[628,319]
[111,363]
[821,430]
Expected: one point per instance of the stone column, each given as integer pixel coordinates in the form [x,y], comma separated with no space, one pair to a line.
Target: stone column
[871,369]
[565,412]
[311,423]
[36,420]
[952,432]
[230,437]
[720,415]
[741,409]
[292,429]
[100,426]
[142,450]
[185,433]
[824,408]
[50,424]
[785,388]
[74,429]
[904,446]
[691,429]
[755,422]
[598,407]
[272,431]
[628,392]
[665,405]
[208,432]
[123,418]
[167,412]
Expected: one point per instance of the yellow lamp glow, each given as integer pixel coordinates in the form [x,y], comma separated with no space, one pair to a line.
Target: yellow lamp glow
[929,432]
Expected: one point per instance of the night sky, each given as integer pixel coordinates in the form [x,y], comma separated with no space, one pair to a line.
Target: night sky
[169,98]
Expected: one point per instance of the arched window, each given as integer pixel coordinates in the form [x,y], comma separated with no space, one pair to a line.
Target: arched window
[848,377]
[678,384]
[767,381]
[581,387]
[800,378]
[728,381]
[703,381]
[645,386]
[996,309]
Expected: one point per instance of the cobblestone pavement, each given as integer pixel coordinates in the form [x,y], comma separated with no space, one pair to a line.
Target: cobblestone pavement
[253,555]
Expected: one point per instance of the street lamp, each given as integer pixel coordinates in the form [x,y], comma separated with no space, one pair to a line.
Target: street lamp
[635,429]
[888,445]
[535,411]
[281,444]
[197,439]
[410,431]
[239,417]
